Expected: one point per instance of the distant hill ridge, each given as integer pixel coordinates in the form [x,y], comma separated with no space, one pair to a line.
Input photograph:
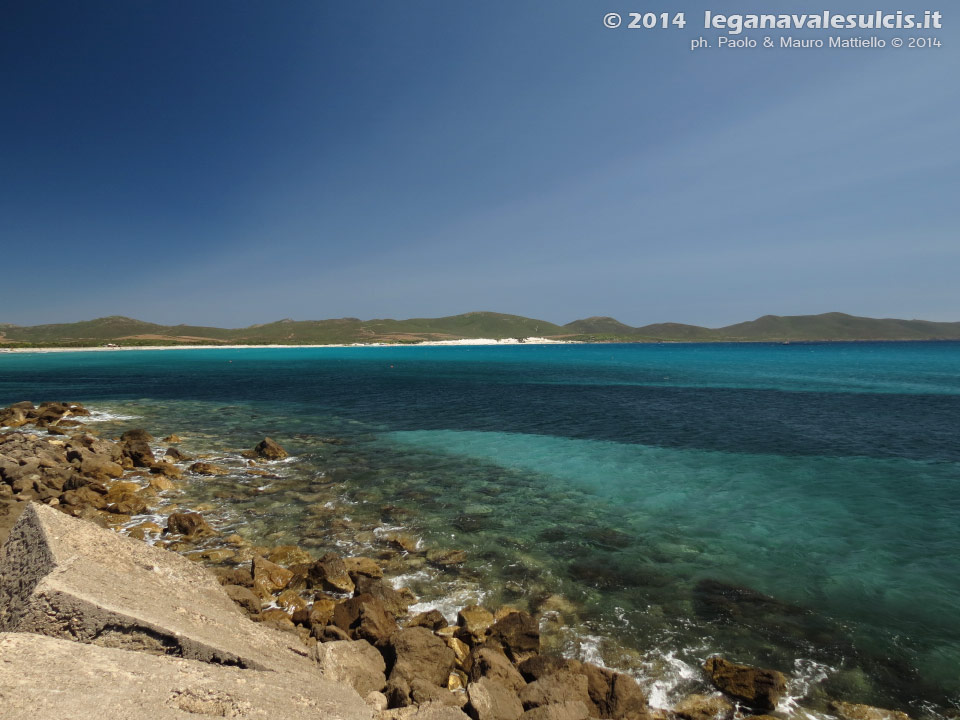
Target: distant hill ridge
[770,328]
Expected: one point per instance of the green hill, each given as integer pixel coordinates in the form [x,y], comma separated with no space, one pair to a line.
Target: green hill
[774,328]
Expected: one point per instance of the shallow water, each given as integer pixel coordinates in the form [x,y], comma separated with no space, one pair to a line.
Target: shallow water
[794,506]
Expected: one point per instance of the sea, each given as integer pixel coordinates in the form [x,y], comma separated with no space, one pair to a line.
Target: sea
[791,506]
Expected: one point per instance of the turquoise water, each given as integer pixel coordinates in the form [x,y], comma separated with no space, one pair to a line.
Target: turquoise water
[794,505]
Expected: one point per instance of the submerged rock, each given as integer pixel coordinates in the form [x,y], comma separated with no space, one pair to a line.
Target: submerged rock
[704,707]
[205,468]
[853,711]
[189,524]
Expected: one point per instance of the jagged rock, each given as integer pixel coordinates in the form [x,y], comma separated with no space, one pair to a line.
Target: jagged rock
[162,483]
[518,634]
[853,711]
[167,469]
[571,710]
[277,619]
[268,577]
[461,651]
[560,687]
[330,573]
[757,687]
[362,566]
[136,446]
[330,633]
[376,700]
[431,619]
[402,692]
[176,454]
[291,601]
[189,524]
[205,468]
[492,700]
[365,618]
[395,601]
[99,467]
[270,450]
[428,711]
[418,653]
[355,662]
[614,694]
[64,577]
[402,541]
[321,611]
[705,707]
[474,621]
[538,666]
[495,665]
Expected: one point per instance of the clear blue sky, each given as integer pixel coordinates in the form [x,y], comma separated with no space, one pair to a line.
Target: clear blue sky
[236,162]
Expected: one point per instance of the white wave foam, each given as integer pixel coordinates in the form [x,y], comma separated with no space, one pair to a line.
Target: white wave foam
[107,416]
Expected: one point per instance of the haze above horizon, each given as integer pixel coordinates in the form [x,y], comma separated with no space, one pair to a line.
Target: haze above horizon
[237,163]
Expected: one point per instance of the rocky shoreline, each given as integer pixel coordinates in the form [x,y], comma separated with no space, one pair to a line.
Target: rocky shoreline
[490,664]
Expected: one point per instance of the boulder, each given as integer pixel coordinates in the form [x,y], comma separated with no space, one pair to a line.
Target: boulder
[418,653]
[428,711]
[270,450]
[431,619]
[538,666]
[176,454]
[518,634]
[355,662]
[395,601]
[571,710]
[759,688]
[492,700]
[615,695]
[68,578]
[330,573]
[99,467]
[362,566]
[564,686]
[135,445]
[474,621]
[365,618]
[705,707]
[189,524]
[45,677]
[268,577]
[493,664]
[853,711]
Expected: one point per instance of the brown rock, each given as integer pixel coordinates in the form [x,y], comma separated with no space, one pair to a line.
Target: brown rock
[288,555]
[446,558]
[172,439]
[167,469]
[205,468]
[136,446]
[491,700]
[162,483]
[321,612]
[277,619]
[189,524]
[518,634]
[495,665]
[362,566]
[757,687]
[614,695]
[402,541]
[853,711]
[395,601]
[475,620]
[365,618]
[84,496]
[560,687]
[99,468]
[571,710]
[268,577]
[539,666]
[291,601]
[330,573]
[270,450]
[176,454]
[355,662]
[704,707]
[418,653]
[431,619]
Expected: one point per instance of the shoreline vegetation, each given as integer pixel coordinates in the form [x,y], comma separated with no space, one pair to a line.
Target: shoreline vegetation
[488,664]
[476,328]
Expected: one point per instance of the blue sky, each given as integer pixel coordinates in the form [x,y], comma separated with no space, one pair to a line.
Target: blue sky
[239,162]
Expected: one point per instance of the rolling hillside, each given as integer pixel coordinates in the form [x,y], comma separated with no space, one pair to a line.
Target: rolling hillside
[770,328]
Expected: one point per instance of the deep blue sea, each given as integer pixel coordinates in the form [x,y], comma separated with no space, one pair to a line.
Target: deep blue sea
[796,506]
